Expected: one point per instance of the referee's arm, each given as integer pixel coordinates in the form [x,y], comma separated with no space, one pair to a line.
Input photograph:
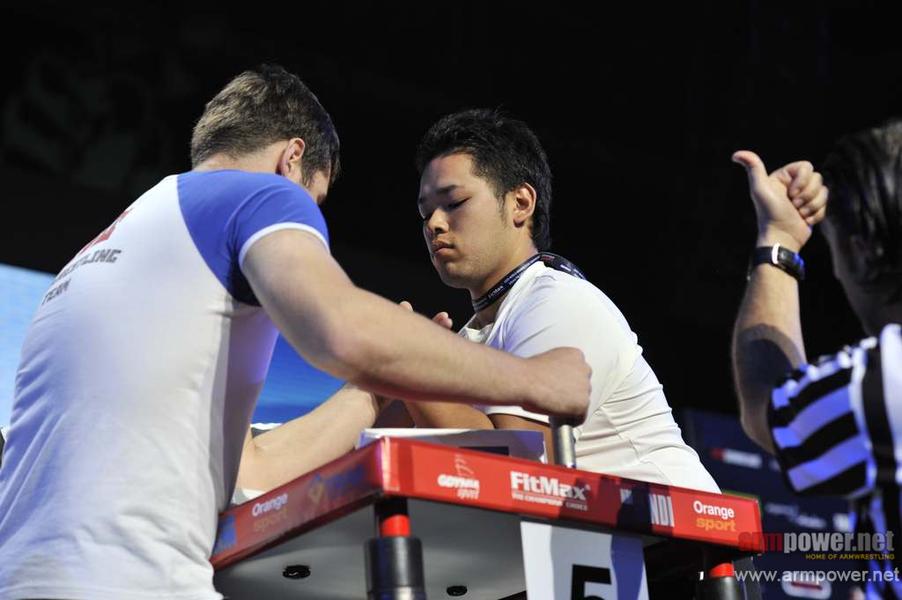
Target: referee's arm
[767,344]
[767,336]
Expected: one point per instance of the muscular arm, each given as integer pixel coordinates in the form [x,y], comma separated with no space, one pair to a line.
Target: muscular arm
[767,336]
[394,414]
[536,326]
[379,346]
[303,444]
[767,344]
[447,415]
[502,421]
[454,416]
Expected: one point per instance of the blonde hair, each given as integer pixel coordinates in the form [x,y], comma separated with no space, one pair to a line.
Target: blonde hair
[260,107]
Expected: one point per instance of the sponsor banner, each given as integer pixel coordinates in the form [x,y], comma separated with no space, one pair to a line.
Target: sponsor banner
[463,479]
[531,488]
[640,505]
[317,497]
[725,519]
[739,458]
[511,485]
[412,469]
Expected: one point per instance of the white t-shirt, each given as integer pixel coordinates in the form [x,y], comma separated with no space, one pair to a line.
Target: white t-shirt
[630,431]
[136,384]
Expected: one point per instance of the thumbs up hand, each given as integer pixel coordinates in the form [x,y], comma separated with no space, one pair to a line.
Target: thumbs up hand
[788,202]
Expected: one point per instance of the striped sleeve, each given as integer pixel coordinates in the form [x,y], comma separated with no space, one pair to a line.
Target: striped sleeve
[832,431]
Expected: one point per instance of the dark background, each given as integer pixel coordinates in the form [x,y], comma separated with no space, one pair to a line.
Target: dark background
[639,108]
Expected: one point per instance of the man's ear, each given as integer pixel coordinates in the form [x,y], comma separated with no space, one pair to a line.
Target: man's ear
[290,161]
[524,204]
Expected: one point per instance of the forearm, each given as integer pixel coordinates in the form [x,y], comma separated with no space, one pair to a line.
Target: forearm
[303,444]
[447,415]
[394,414]
[372,342]
[767,344]
[767,337]
[400,354]
[381,347]
[503,421]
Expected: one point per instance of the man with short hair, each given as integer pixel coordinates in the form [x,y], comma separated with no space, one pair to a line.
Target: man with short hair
[485,199]
[835,425]
[142,365]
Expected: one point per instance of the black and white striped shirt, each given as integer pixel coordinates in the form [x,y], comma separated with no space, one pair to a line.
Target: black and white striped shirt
[837,430]
[836,425]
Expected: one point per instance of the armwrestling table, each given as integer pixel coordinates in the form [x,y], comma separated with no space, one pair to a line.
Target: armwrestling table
[404,519]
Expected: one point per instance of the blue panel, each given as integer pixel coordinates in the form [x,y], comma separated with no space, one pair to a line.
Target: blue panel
[740,466]
[292,388]
[21,292]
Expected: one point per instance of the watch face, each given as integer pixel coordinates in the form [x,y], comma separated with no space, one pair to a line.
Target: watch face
[791,262]
[782,258]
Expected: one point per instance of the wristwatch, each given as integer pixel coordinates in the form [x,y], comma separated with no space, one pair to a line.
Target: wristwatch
[780,257]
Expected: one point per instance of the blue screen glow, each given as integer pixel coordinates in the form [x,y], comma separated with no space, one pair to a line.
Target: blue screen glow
[293,387]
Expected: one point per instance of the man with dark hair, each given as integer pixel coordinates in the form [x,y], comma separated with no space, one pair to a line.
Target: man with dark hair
[485,196]
[505,152]
[142,365]
[835,426]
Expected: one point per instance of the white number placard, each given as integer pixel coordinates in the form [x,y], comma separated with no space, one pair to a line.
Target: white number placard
[564,563]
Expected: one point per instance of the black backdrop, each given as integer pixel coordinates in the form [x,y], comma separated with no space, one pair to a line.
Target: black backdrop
[639,108]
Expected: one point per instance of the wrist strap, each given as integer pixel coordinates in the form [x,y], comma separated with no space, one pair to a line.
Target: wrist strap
[780,257]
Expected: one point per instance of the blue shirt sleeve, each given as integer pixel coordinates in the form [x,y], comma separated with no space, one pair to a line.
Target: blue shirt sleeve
[227,211]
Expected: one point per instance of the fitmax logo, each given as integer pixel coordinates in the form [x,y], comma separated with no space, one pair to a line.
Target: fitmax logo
[547,486]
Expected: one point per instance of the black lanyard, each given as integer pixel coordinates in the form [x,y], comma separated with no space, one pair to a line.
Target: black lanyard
[553,261]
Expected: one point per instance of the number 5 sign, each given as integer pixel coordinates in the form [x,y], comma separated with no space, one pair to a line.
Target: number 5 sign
[574,564]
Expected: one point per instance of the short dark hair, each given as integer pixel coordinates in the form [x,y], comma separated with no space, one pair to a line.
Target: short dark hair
[263,106]
[864,175]
[505,152]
